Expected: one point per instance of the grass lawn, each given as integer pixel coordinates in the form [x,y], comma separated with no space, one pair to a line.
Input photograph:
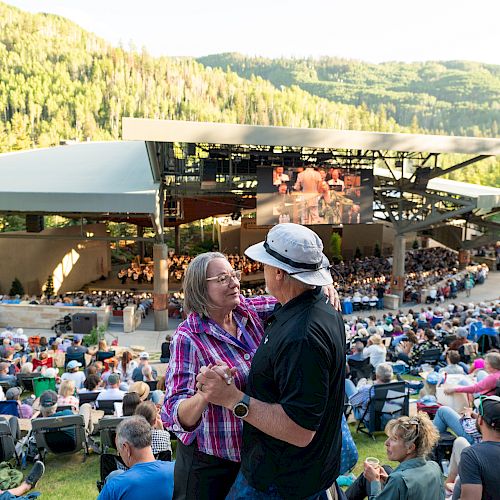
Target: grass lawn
[70,477]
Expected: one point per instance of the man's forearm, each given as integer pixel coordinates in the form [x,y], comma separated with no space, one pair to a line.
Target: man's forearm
[273,421]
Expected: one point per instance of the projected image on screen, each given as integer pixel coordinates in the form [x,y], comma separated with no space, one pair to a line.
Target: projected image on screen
[314,195]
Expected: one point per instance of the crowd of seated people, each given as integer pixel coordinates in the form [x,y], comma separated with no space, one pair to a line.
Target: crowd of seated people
[118,300]
[177,264]
[398,343]
[385,344]
[129,381]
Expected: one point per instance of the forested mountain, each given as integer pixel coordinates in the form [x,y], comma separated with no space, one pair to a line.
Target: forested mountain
[452,97]
[58,81]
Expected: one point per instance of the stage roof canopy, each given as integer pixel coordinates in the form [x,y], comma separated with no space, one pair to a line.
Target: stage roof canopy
[94,177]
[221,133]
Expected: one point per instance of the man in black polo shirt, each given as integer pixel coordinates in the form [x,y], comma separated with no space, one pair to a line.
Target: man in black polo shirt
[294,397]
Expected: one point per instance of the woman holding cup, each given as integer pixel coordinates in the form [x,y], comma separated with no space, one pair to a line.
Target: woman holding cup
[409,440]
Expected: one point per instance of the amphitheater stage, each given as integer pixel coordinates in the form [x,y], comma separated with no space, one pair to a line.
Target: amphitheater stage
[114,284]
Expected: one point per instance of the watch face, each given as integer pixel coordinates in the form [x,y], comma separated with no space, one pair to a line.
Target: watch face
[241,410]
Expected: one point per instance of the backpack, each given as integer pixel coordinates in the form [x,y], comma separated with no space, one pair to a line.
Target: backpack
[442,450]
[430,409]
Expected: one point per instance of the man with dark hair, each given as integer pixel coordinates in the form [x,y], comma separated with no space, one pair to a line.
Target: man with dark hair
[478,468]
[145,476]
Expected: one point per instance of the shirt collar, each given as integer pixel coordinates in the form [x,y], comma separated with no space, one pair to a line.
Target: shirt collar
[411,463]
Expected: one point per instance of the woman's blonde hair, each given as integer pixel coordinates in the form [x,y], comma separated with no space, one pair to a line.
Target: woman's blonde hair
[67,388]
[418,430]
[103,346]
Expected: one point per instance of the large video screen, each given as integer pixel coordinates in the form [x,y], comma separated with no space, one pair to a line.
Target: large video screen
[314,195]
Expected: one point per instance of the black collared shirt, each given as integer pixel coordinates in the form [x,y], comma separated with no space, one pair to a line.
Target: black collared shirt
[300,364]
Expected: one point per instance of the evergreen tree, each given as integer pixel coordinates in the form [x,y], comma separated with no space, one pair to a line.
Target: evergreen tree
[16,288]
[49,286]
[336,247]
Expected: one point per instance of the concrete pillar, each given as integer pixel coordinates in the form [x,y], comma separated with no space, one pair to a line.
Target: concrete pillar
[398,267]
[178,240]
[140,244]
[463,258]
[160,294]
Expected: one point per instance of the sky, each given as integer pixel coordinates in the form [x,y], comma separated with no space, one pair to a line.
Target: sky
[373,31]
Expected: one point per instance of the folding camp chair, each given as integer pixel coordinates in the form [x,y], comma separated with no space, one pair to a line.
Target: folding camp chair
[107,405]
[359,369]
[487,342]
[64,408]
[7,444]
[25,380]
[387,401]
[430,356]
[152,384]
[60,435]
[102,355]
[9,408]
[77,356]
[88,397]
[107,432]
[42,384]
[5,385]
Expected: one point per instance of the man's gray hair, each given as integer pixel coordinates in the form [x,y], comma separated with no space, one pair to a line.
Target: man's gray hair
[384,372]
[195,283]
[135,431]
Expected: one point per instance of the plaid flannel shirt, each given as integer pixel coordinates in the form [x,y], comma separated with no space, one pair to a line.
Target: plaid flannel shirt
[198,342]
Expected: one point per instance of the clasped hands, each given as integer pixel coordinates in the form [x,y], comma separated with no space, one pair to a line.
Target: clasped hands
[215,383]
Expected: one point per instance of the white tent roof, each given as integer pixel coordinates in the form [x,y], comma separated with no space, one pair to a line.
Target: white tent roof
[93,177]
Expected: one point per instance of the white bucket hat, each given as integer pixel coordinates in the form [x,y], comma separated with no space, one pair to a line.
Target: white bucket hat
[296,250]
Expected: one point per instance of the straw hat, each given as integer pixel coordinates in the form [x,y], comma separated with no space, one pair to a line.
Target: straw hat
[141,388]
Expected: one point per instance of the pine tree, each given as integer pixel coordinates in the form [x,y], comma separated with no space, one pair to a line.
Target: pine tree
[49,286]
[16,288]
[335,247]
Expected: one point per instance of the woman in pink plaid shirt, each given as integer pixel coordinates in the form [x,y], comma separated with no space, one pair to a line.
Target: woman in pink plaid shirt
[223,327]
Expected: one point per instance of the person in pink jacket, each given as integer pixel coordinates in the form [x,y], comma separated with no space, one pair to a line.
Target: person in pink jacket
[487,385]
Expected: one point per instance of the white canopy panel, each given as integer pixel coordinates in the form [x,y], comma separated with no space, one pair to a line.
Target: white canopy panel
[93,177]
[145,129]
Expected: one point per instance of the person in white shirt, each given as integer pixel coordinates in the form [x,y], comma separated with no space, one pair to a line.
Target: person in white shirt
[113,391]
[375,350]
[73,373]
[126,367]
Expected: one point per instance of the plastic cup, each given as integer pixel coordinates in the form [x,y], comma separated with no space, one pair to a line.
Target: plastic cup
[374,462]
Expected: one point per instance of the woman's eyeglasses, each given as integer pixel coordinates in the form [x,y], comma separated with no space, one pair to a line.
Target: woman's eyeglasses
[225,278]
